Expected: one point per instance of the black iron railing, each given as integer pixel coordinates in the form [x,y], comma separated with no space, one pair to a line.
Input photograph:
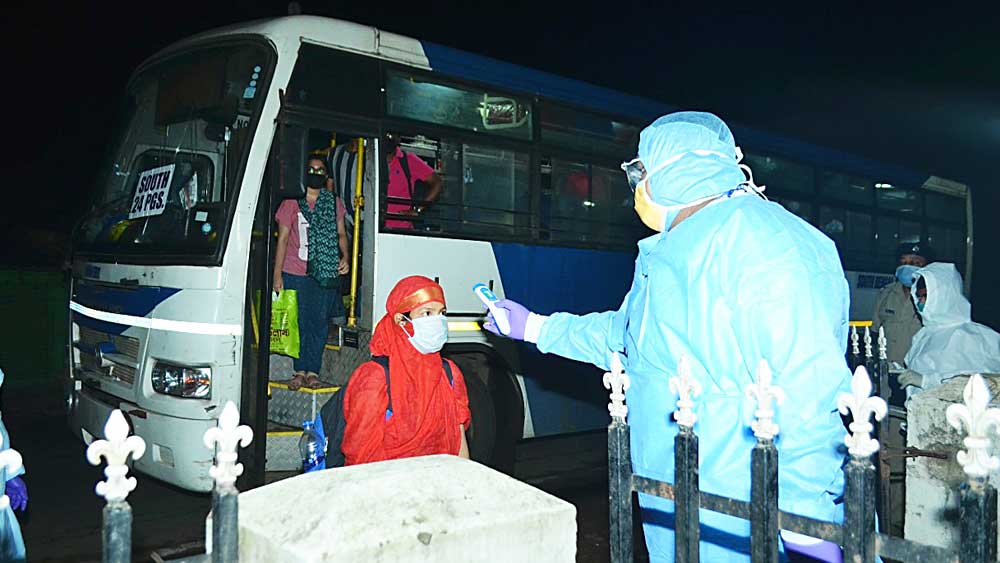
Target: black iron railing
[856,535]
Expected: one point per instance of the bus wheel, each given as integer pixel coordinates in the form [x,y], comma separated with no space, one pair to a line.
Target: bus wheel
[497,411]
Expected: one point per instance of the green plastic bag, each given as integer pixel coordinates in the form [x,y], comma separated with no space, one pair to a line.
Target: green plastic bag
[285,324]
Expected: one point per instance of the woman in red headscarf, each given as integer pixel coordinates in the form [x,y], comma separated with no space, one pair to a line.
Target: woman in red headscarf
[429,414]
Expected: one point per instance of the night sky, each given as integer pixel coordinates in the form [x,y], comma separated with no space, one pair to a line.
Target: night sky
[916,89]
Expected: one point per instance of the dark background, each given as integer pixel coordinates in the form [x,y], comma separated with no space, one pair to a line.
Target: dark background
[888,83]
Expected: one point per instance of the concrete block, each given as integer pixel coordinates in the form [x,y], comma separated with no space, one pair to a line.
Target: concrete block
[932,485]
[437,509]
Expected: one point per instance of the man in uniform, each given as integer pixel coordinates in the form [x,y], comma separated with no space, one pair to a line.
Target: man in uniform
[894,308]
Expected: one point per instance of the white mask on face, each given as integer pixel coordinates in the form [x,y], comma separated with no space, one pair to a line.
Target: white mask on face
[429,333]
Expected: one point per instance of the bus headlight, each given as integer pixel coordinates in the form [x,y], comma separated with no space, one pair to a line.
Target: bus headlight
[180,381]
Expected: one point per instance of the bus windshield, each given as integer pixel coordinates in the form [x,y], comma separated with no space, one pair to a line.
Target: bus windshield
[170,182]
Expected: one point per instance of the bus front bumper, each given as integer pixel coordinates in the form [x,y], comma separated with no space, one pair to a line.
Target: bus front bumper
[174,453]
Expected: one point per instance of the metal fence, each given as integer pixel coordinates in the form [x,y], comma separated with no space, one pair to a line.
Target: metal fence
[223,544]
[857,534]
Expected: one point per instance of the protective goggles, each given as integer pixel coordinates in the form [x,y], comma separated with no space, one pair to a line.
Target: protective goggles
[636,172]
[317,170]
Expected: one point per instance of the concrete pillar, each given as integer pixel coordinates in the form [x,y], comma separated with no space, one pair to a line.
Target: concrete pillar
[933,485]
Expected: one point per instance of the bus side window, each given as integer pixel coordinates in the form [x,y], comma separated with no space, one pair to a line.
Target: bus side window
[484,190]
[495,191]
[589,203]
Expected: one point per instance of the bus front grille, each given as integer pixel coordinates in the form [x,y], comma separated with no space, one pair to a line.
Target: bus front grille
[120,364]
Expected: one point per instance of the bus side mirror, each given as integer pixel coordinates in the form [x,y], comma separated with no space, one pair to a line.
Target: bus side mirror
[290,167]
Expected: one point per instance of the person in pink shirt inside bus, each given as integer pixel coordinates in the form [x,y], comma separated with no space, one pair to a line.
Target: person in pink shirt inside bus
[405,170]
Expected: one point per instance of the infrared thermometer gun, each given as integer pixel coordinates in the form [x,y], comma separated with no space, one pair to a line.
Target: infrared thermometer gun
[490,300]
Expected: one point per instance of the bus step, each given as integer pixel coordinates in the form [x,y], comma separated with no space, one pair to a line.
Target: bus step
[283,448]
[292,408]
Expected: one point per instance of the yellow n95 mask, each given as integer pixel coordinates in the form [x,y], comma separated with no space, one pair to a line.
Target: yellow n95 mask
[652,214]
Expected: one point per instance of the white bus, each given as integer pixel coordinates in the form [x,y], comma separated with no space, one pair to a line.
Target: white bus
[172,257]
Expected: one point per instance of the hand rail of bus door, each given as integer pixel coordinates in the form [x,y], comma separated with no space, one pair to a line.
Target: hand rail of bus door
[359,202]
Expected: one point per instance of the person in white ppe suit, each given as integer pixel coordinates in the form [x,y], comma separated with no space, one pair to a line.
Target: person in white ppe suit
[729,279]
[949,344]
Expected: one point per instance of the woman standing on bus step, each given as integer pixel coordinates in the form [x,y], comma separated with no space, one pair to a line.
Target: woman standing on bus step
[311,254]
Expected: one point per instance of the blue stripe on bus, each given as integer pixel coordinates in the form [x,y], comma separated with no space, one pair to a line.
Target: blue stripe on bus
[136,302]
[519,79]
[563,395]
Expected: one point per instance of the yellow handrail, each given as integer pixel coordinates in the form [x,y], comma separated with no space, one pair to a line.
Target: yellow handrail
[860,324]
[359,202]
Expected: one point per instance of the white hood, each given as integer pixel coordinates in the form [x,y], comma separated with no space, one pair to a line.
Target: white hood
[945,306]
[950,344]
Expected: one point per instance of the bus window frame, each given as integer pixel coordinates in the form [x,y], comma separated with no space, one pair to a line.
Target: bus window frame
[535,152]
[440,133]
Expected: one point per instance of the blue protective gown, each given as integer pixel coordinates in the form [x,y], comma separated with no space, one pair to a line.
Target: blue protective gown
[11,542]
[739,281]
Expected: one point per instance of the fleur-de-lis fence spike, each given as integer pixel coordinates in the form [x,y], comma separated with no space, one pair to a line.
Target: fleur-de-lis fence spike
[764,427]
[687,389]
[855,349]
[618,382]
[862,405]
[10,463]
[882,343]
[978,418]
[868,343]
[115,450]
[228,435]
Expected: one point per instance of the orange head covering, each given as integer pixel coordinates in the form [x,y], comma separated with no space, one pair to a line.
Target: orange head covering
[422,398]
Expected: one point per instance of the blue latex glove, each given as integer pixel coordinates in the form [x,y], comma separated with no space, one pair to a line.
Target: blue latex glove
[517,314]
[17,491]
[821,551]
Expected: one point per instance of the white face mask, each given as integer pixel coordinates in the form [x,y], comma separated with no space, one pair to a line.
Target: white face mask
[429,333]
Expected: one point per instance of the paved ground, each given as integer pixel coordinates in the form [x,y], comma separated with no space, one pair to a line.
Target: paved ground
[63,523]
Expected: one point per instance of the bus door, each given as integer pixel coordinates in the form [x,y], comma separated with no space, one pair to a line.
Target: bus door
[286,402]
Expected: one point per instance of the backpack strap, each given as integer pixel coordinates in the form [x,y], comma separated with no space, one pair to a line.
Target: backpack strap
[384,362]
[404,163]
[447,371]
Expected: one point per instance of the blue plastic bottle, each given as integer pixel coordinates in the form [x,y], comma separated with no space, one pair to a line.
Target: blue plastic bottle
[311,448]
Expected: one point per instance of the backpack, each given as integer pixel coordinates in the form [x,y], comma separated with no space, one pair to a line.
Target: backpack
[332,414]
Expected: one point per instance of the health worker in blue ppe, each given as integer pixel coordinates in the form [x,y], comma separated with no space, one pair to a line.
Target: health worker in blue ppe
[11,542]
[729,279]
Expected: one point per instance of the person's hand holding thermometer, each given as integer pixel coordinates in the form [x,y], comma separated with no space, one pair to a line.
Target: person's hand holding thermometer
[506,318]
